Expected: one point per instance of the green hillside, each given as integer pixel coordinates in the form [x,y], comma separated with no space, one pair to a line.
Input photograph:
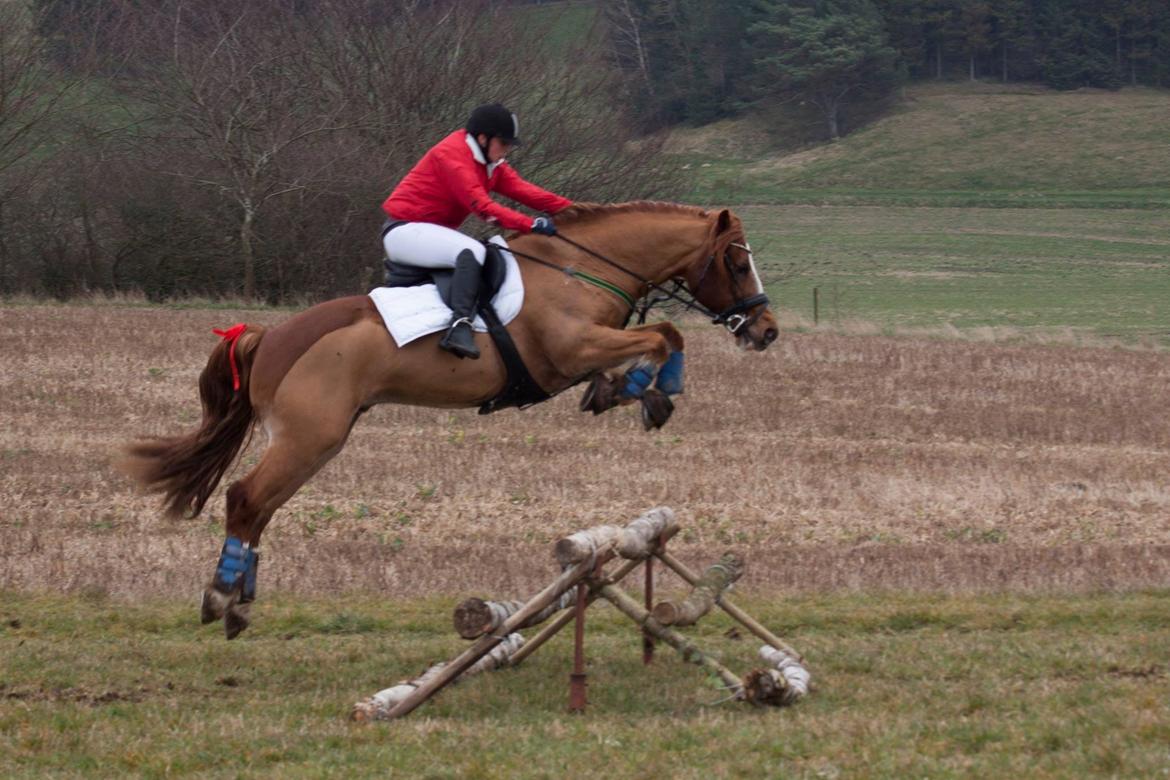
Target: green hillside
[881,253]
[955,144]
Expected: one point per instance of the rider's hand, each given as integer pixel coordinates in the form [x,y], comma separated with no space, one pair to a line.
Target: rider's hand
[544,226]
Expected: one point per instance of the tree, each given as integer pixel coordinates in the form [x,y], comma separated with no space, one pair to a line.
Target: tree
[825,52]
[1078,50]
[225,98]
[906,33]
[245,147]
[625,20]
[686,58]
[975,27]
[35,98]
[940,18]
[1012,25]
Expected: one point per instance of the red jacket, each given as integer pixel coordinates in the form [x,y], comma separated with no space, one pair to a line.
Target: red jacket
[452,181]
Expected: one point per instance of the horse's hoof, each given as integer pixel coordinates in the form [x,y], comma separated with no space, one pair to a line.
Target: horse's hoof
[588,396]
[236,620]
[656,409]
[213,606]
[600,396]
[206,610]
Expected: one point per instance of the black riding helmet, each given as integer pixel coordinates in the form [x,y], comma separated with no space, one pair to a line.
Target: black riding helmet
[495,121]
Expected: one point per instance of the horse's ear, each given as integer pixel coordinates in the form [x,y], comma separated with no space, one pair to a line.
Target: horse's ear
[723,222]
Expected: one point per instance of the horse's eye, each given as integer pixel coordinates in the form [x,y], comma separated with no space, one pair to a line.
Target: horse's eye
[742,270]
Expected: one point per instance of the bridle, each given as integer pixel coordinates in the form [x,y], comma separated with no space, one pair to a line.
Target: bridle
[734,317]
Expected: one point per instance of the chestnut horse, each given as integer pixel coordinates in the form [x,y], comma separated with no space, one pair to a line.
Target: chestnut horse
[306,381]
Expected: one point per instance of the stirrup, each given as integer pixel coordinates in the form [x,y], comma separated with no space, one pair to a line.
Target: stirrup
[458,342]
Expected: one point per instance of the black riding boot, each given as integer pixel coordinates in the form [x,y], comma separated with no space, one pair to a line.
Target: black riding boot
[459,339]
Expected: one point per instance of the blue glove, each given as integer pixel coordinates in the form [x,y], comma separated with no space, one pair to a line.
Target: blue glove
[544,226]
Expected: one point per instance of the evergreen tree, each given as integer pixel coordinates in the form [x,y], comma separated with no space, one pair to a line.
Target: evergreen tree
[1077,51]
[975,33]
[1014,36]
[907,33]
[940,21]
[686,58]
[825,51]
[1160,72]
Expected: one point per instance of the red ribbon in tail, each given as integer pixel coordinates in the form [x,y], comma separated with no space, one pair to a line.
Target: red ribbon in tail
[232,334]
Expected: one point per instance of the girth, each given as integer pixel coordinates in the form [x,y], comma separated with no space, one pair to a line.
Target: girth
[520,389]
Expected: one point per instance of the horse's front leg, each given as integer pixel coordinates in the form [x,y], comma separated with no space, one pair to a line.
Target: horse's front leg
[650,353]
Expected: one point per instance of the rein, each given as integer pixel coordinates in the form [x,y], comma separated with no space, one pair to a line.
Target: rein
[733,317]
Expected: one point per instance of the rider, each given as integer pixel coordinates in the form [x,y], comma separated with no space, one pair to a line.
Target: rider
[452,180]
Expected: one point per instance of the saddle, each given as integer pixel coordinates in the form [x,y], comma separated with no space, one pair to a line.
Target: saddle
[494,270]
[520,389]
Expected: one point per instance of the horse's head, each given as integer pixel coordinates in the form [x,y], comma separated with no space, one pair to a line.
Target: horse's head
[724,279]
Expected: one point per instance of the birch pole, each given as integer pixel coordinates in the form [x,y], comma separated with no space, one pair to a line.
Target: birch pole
[464,660]
[562,620]
[707,591]
[377,706]
[687,649]
[475,617]
[750,623]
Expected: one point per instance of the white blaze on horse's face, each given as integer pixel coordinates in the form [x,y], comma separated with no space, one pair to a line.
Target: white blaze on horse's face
[753,332]
[745,246]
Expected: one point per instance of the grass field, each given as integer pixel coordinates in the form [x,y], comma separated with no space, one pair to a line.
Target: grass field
[974,207]
[921,686]
[1093,272]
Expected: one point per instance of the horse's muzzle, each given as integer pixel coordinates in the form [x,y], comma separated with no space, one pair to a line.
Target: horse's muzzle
[757,341]
[759,334]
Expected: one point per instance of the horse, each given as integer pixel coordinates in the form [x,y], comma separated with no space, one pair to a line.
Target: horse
[306,381]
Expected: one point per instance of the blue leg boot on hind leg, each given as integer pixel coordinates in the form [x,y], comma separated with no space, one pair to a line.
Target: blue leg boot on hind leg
[233,588]
[234,581]
[248,593]
[237,564]
[670,376]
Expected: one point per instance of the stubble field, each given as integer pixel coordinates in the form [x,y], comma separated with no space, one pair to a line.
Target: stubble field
[841,461]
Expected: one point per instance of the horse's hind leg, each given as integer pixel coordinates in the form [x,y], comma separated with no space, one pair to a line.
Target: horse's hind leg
[302,448]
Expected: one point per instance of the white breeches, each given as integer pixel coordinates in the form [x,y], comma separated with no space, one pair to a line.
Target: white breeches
[429,246]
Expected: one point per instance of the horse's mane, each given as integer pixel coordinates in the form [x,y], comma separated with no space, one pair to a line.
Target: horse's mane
[581,213]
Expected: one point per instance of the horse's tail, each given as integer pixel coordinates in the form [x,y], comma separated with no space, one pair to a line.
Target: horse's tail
[187,468]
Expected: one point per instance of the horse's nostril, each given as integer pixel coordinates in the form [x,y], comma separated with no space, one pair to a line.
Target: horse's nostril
[770,335]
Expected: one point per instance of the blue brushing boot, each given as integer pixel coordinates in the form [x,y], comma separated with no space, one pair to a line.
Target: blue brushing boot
[237,566]
[670,376]
[638,379]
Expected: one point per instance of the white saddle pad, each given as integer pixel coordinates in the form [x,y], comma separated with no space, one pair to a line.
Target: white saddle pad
[413,312]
